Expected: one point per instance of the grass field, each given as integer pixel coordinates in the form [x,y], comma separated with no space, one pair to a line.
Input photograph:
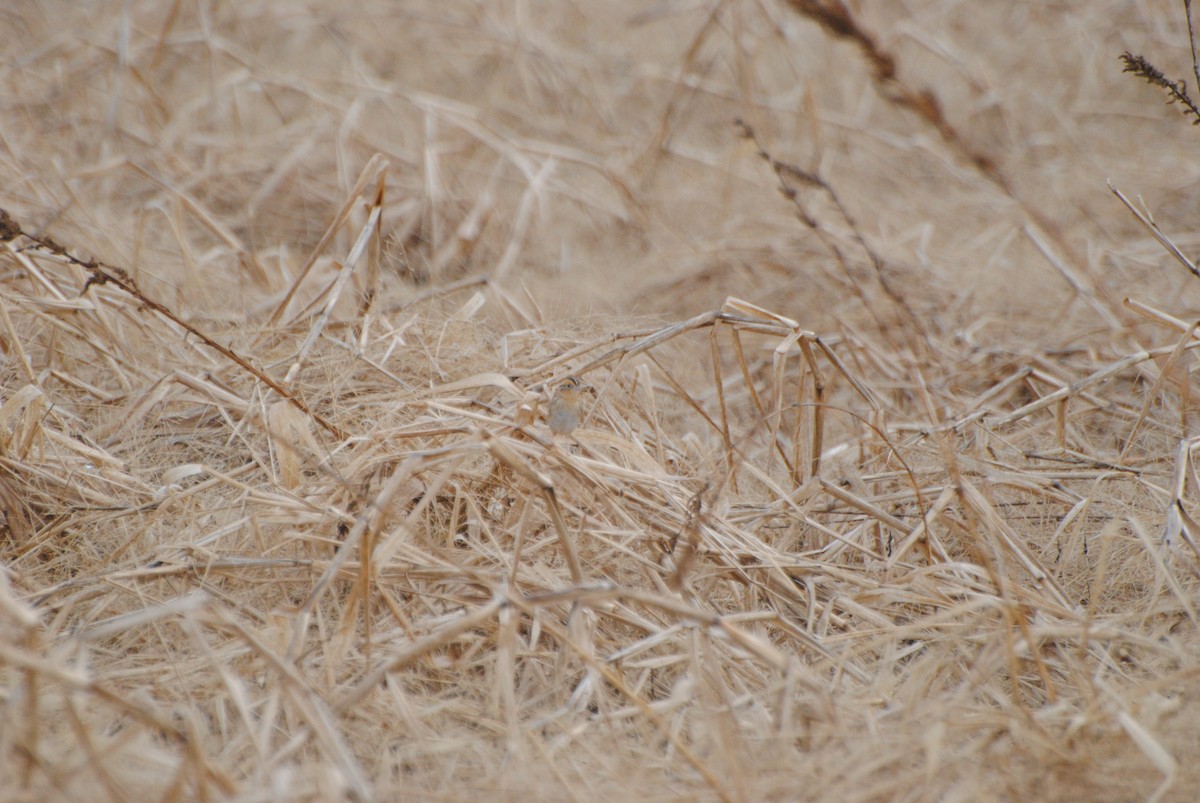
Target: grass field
[883,486]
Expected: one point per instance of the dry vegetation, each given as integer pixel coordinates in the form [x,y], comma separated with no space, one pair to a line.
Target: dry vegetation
[884,490]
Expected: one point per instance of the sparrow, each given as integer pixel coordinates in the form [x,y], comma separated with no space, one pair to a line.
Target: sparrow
[566,408]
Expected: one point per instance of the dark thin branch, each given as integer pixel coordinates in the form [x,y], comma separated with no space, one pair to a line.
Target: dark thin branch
[788,174]
[1176,90]
[102,273]
[1187,7]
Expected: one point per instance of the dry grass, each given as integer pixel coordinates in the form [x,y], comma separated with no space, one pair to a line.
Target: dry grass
[891,497]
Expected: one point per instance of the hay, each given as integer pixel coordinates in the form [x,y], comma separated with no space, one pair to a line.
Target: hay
[893,497]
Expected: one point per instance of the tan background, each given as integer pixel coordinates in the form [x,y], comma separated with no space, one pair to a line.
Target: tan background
[584,156]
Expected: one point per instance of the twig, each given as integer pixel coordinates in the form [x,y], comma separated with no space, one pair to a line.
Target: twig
[786,175]
[1176,90]
[103,273]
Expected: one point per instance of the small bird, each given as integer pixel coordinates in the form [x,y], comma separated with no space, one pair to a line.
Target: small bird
[566,408]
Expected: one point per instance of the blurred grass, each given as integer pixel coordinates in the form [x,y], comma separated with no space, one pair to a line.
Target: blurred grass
[871,498]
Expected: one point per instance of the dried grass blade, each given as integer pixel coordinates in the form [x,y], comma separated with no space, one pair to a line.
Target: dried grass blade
[394,663]
[1088,381]
[922,530]
[376,165]
[1013,544]
[1152,749]
[1155,232]
[333,293]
